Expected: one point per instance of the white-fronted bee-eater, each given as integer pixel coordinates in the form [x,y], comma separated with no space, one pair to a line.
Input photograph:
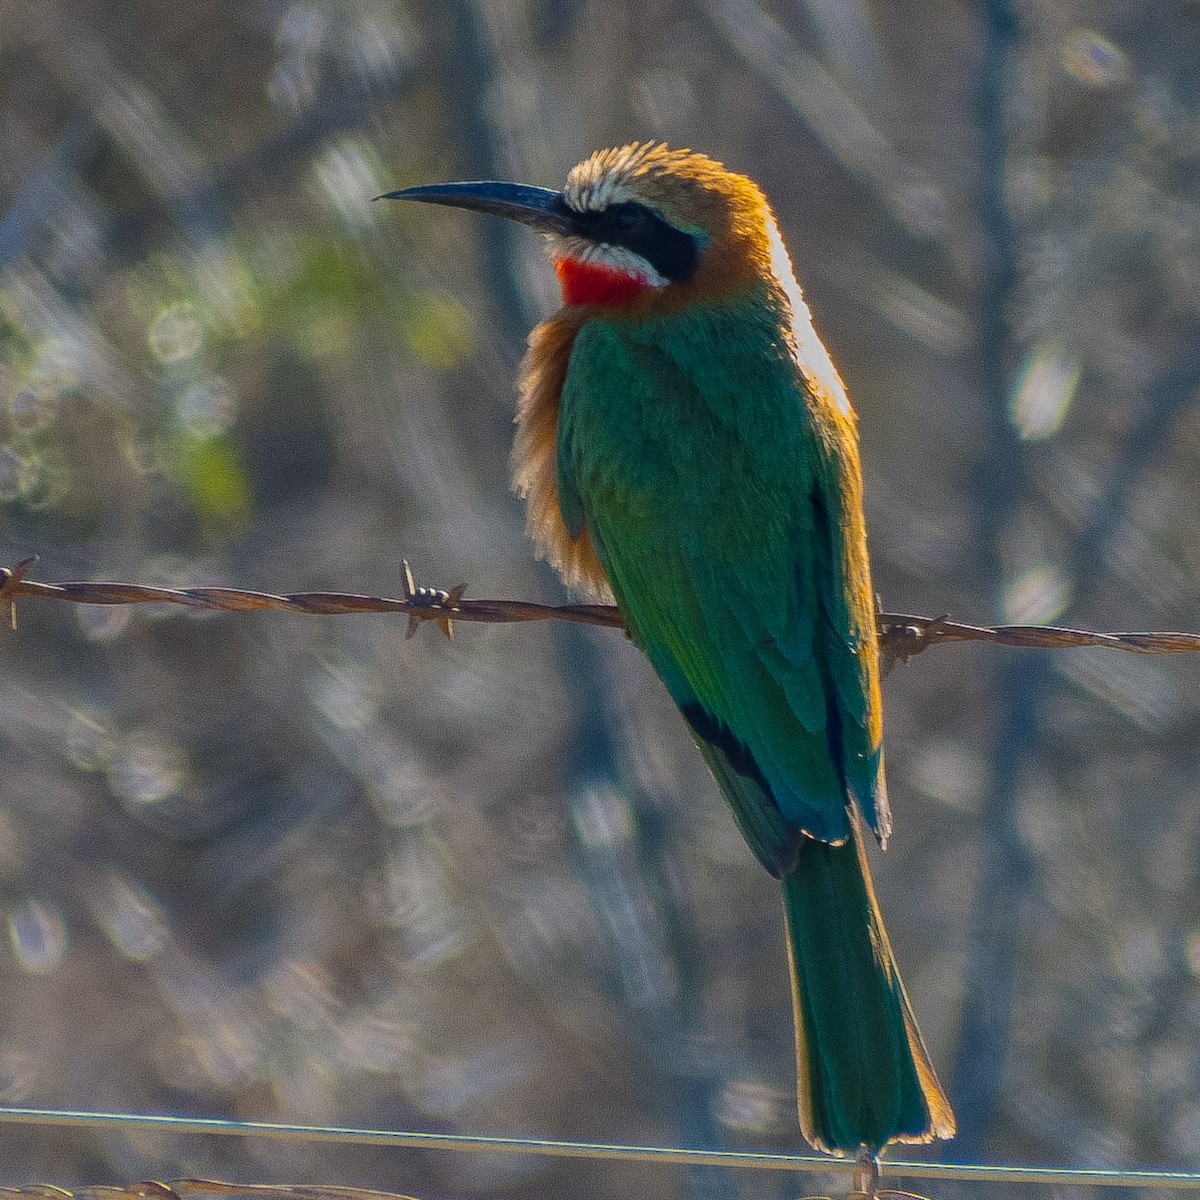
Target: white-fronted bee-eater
[686,446]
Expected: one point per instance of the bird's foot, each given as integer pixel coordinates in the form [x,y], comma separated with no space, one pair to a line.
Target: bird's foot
[901,641]
[866,1175]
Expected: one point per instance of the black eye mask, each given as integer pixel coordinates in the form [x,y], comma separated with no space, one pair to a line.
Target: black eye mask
[675,255]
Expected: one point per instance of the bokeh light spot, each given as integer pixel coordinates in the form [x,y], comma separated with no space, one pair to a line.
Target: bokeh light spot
[176,333]
[208,408]
[147,769]
[749,1106]
[1092,59]
[38,935]
[602,817]
[1043,391]
[348,176]
[1037,595]
[347,694]
[952,772]
[90,742]
[133,919]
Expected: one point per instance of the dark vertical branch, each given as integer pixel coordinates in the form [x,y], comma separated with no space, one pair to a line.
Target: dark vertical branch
[996,925]
[652,947]
[473,84]
[1005,870]
[1001,473]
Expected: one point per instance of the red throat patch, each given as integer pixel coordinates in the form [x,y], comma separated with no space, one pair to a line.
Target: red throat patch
[598,283]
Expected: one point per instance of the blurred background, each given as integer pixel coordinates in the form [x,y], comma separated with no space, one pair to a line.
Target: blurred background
[301,869]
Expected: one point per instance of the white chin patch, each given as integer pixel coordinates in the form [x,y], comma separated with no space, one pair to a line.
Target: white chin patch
[614,258]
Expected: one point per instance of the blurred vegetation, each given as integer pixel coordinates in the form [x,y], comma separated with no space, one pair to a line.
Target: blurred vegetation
[304,870]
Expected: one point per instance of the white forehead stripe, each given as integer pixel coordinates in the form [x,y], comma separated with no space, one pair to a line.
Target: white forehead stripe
[606,178]
[596,195]
[815,362]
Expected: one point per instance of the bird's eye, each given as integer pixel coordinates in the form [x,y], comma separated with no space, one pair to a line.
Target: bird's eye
[627,218]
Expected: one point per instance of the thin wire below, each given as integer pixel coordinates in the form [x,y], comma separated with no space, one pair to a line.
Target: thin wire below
[664,1155]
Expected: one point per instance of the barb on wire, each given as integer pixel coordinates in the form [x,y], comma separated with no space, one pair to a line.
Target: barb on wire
[902,635]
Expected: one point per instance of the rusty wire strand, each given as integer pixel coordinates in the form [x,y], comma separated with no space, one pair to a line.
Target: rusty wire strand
[194,1189]
[902,634]
[208,1189]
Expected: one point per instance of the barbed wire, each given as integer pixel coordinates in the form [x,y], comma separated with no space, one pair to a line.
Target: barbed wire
[902,635]
[597,1151]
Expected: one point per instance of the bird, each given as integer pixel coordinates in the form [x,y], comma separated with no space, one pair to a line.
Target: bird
[686,448]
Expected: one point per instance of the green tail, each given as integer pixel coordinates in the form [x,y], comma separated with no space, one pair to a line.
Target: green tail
[864,1076]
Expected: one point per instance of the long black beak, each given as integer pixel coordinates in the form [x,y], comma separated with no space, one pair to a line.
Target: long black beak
[539,208]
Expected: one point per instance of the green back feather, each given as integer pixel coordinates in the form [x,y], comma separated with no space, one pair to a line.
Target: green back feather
[709,494]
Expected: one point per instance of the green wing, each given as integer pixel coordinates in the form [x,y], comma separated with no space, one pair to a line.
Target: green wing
[726,551]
